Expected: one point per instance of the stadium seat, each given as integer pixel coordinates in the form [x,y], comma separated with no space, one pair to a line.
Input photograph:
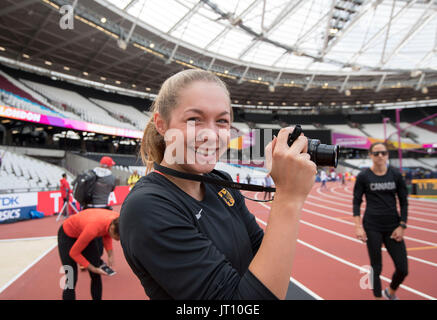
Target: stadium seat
[23,173]
[87,110]
[134,116]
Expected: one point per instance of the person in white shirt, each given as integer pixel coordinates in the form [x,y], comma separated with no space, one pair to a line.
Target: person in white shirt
[323,178]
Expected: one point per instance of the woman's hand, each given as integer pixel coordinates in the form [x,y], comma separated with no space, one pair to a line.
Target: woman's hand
[294,175]
[94,269]
[398,234]
[290,167]
[360,233]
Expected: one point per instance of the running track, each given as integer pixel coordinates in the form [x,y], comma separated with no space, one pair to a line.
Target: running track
[330,263]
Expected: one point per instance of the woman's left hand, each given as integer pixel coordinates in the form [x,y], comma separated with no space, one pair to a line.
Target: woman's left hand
[398,234]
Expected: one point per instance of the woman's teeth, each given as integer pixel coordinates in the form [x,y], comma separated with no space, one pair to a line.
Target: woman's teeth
[206,152]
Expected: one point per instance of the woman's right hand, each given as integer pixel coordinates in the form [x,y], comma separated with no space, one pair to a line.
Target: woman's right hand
[290,167]
[360,233]
[94,269]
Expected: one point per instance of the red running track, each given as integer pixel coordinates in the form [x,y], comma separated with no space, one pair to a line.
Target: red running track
[330,263]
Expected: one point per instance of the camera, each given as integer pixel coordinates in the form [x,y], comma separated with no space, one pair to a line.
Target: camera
[321,154]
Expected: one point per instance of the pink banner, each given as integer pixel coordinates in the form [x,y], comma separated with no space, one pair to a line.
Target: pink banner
[14,113]
[350,141]
[429,145]
[248,140]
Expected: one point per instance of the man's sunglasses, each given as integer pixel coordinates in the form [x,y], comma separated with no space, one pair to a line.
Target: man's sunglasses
[377,153]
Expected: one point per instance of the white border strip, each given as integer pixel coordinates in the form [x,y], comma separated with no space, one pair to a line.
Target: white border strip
[27,239]
[300,285]
[310,292]
[28,267]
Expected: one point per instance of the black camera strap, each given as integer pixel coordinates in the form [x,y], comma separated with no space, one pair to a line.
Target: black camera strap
[220,182]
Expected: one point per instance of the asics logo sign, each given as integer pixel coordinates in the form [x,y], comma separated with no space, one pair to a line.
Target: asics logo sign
[9,214]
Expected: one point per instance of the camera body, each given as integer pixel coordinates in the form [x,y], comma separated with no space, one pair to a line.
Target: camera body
[321,154]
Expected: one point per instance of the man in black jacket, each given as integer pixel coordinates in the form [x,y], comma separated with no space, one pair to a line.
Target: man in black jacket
[104,184]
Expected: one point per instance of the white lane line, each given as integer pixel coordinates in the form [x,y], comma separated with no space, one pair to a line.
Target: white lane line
[415,200]
[350,201]
[348,213]
[411,201]
[412,215]
[299,284]
[28,239]
[352,224]
[350,207]
[28,267]
[356,240]
[424,201]
[360,242]
[307,290]
[332,256]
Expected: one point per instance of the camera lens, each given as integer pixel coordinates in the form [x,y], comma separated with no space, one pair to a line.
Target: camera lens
[323,154]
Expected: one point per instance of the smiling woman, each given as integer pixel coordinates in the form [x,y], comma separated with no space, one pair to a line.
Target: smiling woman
[187,239]
[184,110]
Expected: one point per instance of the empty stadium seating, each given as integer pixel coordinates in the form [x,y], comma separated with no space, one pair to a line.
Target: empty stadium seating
[425,163]
[140,169]
[431,162]
[135,117]
[88,111]
[257,174]
[13,96]
[421,135]
[241,126]
[20,173]
[343,128]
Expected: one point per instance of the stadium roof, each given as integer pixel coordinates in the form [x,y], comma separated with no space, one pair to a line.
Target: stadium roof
[300,35]
[270,52]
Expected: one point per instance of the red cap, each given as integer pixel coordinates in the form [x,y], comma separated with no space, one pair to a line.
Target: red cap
[107,161]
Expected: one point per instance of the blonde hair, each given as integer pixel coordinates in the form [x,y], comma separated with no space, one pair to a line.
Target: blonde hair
[153,144]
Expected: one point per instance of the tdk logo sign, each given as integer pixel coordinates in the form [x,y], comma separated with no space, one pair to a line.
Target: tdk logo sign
[17,206]
[9,201]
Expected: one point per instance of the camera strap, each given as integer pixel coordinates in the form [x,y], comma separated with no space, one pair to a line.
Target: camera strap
[221,182]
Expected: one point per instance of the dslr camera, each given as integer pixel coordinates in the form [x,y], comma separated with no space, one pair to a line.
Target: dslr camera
[321,154]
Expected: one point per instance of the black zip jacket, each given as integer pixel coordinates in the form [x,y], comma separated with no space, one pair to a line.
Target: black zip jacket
[381,212]
[181,248]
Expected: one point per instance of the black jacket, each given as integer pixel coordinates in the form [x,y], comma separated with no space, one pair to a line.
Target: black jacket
[182,248]
[104,185]
[381,213]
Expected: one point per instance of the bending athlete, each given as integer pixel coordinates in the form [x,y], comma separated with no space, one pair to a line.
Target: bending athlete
[78,244]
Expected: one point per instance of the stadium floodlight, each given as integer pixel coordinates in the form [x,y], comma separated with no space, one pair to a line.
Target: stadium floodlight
[122,44]
[415,73]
